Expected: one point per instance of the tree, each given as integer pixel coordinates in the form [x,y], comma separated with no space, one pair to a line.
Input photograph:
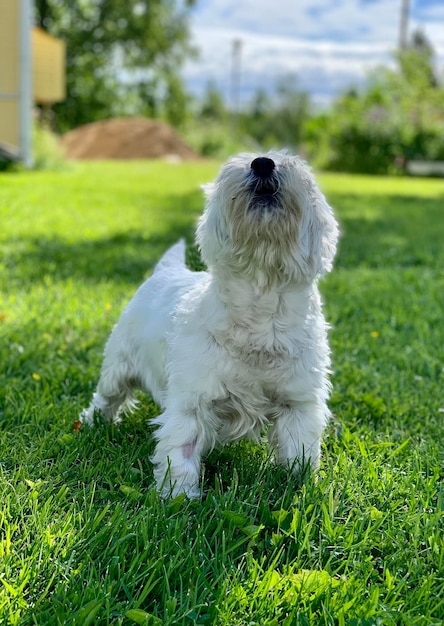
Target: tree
[123,56]
[213,105]
[397,117]
[277,119]
[418,57]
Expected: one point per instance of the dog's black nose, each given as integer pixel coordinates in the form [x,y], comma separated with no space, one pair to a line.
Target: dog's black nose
[262,166]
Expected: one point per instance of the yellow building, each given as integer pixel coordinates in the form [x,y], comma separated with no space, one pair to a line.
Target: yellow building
[32,70]
[48,68]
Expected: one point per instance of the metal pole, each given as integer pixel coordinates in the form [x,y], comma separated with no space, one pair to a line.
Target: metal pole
[25,82]
[235,82]
[404,24]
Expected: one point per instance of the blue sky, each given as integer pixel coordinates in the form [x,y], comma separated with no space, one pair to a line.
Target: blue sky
[328,45]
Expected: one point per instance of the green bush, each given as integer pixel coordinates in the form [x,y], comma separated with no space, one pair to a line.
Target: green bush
[216,139]
[46,149]
[397,118]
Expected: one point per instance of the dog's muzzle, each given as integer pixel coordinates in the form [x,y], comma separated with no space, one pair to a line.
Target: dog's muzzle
[264,184]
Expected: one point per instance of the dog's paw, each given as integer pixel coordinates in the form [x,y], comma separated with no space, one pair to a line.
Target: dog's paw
[87,416]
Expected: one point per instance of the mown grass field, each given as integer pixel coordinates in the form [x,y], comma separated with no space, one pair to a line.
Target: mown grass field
[84,539]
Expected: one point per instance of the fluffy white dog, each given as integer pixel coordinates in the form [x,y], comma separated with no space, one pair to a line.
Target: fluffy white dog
[243,346]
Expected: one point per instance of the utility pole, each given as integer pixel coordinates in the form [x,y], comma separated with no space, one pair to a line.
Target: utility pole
[235,83]
[404,24]
[25,82]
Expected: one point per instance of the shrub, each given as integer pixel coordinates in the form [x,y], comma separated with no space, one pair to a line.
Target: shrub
[46,149]
[398,117]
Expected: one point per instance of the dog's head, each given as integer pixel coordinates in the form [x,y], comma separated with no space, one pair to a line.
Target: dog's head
[266,219]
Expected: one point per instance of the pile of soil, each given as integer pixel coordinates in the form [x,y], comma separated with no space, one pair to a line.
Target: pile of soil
[126,138]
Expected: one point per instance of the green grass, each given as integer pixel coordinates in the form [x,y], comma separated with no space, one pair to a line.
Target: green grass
[84,539]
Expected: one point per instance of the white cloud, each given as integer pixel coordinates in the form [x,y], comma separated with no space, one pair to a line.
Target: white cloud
[328,44]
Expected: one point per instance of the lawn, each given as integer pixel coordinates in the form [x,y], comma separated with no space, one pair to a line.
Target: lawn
[84,538]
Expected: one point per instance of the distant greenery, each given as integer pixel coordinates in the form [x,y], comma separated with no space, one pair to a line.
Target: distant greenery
[277,121]
[123,57]
[47,152]
[269,121]
[396,117]
[84,539]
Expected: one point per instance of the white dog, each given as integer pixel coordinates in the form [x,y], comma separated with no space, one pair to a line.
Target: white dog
[229,352]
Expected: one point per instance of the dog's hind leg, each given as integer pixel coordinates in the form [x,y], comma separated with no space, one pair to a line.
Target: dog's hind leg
[114,394]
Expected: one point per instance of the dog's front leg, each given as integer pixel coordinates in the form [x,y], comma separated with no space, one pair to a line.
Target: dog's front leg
[296,434]
[177,455]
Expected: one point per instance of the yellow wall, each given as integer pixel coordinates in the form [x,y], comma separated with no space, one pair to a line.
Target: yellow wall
[9,72]
[48,68]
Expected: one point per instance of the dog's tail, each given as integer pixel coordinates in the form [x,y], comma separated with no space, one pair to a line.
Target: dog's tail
[173,257]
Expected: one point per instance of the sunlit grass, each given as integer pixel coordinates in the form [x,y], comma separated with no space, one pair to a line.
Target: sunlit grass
[84,539]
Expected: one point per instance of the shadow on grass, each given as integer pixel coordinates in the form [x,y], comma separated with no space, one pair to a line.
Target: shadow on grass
[398,231]
[122,257]
[239,470]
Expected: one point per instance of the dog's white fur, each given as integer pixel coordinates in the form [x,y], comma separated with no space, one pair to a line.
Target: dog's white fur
[243,346]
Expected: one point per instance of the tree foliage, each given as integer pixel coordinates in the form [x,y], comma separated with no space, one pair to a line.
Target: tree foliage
[277,119]
[269,120]
[398,117]
[123,56]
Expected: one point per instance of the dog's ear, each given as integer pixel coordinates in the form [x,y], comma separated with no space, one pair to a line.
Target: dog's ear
[329,232]
[207,188]
[319,233]
[211,232]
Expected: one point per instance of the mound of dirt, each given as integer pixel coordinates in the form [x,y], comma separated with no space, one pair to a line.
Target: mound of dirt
[126,138]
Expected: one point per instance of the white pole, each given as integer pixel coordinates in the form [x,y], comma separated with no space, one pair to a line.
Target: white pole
[404,24]
[25,81]
[235,82]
